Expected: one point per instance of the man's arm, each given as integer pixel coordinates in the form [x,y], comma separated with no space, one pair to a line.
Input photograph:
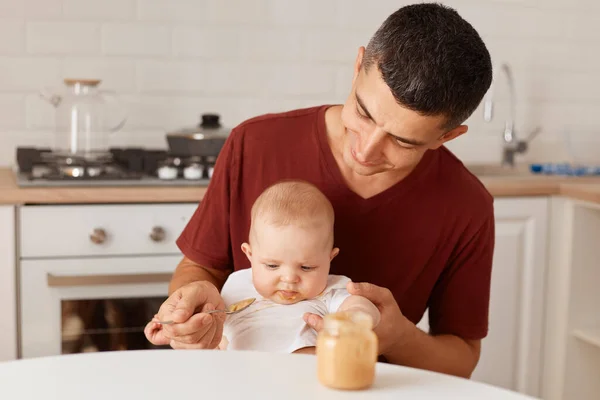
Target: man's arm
[189,271]
[401,342]
[442,353]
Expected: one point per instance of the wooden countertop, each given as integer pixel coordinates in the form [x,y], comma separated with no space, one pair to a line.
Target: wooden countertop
[585,188]
[11,193]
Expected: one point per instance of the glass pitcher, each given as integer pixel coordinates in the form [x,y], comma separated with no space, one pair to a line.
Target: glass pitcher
[85,118]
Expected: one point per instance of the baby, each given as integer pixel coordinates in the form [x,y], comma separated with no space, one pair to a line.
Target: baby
[290,248]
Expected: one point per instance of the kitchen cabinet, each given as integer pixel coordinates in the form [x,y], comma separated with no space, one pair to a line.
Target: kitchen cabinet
[8,294]
[572,348]
[511,354]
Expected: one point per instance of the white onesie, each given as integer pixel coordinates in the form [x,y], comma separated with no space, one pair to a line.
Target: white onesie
[273,327]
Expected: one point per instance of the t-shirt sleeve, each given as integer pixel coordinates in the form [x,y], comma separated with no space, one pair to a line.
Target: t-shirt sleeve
[459,304]
[206,237]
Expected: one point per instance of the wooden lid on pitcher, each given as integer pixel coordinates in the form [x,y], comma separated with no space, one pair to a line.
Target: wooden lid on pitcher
[86,82]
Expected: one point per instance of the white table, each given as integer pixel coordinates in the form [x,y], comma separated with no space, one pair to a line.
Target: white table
[197,374]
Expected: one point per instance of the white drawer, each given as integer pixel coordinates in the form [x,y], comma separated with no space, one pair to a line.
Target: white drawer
[90,230]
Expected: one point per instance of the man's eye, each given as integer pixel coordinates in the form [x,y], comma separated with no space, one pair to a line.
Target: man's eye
[404,145]
[360,114]
[272,266]
[305,268]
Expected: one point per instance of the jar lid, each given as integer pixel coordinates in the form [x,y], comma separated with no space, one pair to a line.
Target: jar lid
[347,322]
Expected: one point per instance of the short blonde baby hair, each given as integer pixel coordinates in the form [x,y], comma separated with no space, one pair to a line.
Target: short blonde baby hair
[293,202]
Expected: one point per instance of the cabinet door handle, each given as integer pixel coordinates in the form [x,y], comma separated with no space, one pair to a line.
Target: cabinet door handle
[105,279]
[98,236]
[158,234]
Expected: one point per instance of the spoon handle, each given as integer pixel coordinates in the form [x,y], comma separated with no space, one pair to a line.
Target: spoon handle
[214,311]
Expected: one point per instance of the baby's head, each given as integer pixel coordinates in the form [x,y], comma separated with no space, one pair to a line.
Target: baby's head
[291,242]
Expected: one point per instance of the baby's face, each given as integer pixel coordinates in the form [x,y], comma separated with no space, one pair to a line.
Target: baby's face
[289,264]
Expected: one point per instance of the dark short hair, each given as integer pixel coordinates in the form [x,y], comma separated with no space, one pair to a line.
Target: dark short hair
[433,61]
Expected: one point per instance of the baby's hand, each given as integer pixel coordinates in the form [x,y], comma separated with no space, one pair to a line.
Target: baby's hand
[353,302]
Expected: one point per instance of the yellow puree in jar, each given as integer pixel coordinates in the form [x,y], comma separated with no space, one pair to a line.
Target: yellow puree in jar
[347,352]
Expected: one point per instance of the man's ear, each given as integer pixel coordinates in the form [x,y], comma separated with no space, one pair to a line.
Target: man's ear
[358,63]
[450,135]
[247,250]
[334,252]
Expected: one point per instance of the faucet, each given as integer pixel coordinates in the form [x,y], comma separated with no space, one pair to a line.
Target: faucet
[511,144]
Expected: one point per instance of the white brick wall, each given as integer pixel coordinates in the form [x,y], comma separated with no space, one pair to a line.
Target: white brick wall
[60,37]
[172,60]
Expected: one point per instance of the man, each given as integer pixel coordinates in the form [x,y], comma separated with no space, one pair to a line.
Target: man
[414,227]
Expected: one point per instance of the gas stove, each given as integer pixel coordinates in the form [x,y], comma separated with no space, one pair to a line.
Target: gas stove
[118,167]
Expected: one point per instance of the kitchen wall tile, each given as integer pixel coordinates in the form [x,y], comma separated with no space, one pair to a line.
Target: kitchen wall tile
[63,38]
[39,8]
[28,73]
[238,12]
[31,8]
[565,56]
[40,113]
[135,39]
[307,13]
[364,16]
[302,80]
[12,111]
[219,43]
[238,79]
[173,10]
[565,86]
[99,10]
[12,36]
[340,45]
[171,77]
[512,21]
[273,44]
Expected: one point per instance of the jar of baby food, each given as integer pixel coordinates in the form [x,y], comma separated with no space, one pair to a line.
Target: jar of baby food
[347,351]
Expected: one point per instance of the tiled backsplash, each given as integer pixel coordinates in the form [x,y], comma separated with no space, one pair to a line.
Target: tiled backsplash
[172,60]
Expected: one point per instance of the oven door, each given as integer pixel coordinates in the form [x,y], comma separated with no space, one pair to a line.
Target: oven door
[90,304]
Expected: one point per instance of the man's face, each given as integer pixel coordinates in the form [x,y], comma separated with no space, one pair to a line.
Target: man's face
[289,264]
[381,135]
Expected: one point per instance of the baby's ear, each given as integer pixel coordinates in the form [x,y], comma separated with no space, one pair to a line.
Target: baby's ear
[247,250]
[334,252]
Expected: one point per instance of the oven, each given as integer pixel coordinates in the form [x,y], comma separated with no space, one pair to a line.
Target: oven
[92,276]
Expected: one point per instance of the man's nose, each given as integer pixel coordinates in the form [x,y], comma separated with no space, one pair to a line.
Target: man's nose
[371,144]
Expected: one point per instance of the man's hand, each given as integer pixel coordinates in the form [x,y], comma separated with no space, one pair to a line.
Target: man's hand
[392,322]
[191,328]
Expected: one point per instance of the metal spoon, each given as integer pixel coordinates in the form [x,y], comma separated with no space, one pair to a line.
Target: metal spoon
[232,309]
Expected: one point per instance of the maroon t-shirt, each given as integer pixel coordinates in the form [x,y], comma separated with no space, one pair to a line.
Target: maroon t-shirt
[429,238]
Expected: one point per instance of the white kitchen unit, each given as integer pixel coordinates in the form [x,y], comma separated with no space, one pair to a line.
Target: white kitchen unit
[512,352]
[8,291]
[572,348]
[511,355]
[91,276]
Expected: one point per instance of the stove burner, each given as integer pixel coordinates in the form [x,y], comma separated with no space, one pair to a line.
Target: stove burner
[136,166]
[69,159]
